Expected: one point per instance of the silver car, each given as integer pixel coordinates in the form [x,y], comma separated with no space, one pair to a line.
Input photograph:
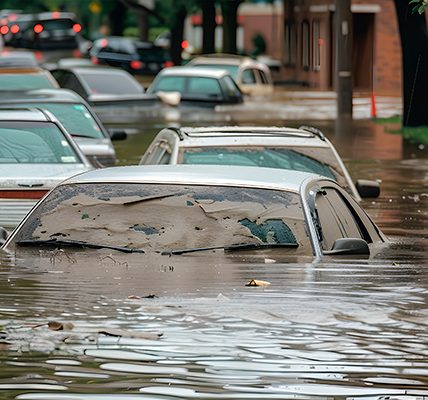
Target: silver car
[36,153]
[77,118]
[253,77]
[171,210]
[304,149]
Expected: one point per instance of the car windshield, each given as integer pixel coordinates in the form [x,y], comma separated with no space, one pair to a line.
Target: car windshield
[196,86]
[163,217]
[257,157]
[34,143]
[25,82]
[231,69]
[75,118]
[107,83]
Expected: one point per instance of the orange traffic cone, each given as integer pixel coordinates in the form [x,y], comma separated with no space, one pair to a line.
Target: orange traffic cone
[373,112]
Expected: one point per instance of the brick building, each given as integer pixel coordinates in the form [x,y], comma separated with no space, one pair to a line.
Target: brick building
[300,33]
[308,51]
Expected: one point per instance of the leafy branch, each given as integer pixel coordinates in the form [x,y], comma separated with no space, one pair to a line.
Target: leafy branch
[420,6]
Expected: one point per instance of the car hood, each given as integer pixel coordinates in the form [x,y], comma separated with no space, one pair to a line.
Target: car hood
[35,175]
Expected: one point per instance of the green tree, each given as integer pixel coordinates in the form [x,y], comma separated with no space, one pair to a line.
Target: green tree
[414,49]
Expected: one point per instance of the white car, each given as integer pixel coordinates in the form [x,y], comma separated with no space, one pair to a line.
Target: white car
[304,149]
[171,210]
[36,153]
[253,77]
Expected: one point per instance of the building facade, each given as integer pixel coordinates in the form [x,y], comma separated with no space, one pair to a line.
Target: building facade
[309,47]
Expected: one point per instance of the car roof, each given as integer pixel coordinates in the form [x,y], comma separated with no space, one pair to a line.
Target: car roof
[93,69]
[41,95]
[223,132]
[23,114]
[211,175]
[23,70]
[135,40]
[225,59]
[19,58]
[191,71]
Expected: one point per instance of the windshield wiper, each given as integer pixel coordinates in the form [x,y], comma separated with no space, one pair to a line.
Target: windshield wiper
[232,247]
[75,243]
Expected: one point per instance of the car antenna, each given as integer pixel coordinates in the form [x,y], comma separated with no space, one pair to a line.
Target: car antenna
[313,130]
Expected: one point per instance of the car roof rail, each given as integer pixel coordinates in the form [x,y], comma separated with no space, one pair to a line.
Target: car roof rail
[177,131]
[312,129]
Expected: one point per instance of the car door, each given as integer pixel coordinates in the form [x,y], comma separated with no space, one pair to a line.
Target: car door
[336,215]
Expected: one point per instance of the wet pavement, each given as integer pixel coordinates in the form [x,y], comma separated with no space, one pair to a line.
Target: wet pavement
[335,329]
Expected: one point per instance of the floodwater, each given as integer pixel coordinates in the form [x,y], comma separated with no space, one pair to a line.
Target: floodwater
[101,325]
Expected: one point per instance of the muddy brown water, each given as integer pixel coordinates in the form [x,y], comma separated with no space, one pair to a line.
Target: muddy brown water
[332,329]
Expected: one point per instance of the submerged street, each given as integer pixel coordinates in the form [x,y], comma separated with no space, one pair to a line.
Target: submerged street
[159,327]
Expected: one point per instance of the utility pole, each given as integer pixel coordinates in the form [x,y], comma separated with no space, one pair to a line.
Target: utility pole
[343,42]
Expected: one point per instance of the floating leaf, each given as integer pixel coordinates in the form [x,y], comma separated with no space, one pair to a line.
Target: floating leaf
[255,282]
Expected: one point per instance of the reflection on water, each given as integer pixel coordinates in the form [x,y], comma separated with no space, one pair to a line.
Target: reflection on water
[337,329]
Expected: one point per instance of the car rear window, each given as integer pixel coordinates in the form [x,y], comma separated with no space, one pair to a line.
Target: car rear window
[256,157]
[75,118]
[58,24]
[106,83]
[154,54]
[34,143]
[198,86]
[25,82]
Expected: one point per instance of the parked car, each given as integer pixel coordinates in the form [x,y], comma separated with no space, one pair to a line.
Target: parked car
[304,149]
[253,77]
[77,118]
[36,153]
[103,86]
[26,78]
[19,58]
[12,25]
[197,86]
[49,30]
[173,210]
[131,54]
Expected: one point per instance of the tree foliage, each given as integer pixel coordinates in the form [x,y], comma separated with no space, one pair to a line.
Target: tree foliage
[419,6]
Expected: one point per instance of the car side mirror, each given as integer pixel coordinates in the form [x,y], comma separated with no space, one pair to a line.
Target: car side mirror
[368,189]
[349,246]
[117,134]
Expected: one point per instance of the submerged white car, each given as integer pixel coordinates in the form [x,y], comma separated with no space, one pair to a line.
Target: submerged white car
[304,149]
[36,153]
[253,77]
[177,209]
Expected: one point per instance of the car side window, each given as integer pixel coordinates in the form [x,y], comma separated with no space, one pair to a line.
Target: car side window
[263,78]
[336,219]
[160,153]
[248,76]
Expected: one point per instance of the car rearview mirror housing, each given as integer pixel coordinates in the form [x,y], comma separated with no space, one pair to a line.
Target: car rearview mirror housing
[367,188]
[349,246]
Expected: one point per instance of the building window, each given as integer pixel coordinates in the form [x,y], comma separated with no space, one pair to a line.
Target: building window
[316,46]
[290,44]
[305,45]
